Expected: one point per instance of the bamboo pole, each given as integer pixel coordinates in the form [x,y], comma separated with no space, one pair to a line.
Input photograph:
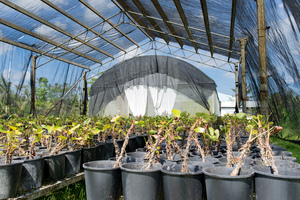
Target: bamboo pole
[243,42]
[32,84]
[262,50]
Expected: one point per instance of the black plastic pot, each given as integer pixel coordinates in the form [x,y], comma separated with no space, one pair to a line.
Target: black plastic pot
[32,174]
[182,186]
[280,163]
[100,151]
[208,159]
[139,184]
[88,154]
[132,144]
[165,161]
[55,167]
[73,162]
[280,153]
[102,181]
[141,140]
[285,158]
[276,187]
[247,160]
[220,185]
[10,175]
[109,150]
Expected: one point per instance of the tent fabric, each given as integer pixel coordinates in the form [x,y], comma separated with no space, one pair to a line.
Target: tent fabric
[164,77]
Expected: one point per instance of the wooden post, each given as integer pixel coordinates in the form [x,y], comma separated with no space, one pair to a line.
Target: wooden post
[84,95]
[237,87]
[32,84]
[262,51]
[243,66]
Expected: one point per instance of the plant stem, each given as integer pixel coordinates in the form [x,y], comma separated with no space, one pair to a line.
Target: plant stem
[200,149]
[119,158]
[187,149]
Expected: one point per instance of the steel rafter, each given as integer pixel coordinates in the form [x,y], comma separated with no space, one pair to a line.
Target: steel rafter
[232,24]
[185,22]
[207,28]
[165,18]
[58,9]
[24,46]
[41,20]
[56,44]
[105,19]
[136,18]
[152,22]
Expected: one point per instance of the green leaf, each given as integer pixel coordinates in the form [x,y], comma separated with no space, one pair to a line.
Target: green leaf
[87,121]
[183,114]
[179,128]
[199,130]
[240,115]
[152,132]
[176,112]
[62,137]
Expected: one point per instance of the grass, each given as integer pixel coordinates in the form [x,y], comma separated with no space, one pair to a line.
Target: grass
[72,192]
[290,146]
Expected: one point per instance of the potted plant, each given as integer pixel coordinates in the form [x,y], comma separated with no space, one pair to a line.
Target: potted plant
[10,173]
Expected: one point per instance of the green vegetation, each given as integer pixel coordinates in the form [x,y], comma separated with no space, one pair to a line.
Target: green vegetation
[290,146]
[72,192]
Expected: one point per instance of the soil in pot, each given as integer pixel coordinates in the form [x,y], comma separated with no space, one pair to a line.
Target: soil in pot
[102,181]
[139,184]
[72,162]
[276,187]
[220,185]
[182,186]
[10,175]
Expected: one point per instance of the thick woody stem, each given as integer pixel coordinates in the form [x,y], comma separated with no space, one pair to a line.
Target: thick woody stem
[230,158]
[245,149]
[200,149]
[185,155]
[124,145]
[117,149]
[158,141]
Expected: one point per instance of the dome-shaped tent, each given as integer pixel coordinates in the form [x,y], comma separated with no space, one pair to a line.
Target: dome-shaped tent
[153,85]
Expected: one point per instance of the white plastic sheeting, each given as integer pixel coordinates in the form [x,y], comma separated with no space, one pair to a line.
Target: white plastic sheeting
[137,99]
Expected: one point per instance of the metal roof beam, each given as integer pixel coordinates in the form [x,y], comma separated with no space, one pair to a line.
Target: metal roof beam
[105,19]
[181,25]
[165,18]
[27,47]
[185,22]
[232,24]
[136,18]
[58,9]
[183,38]
[26,31]
[207,28]
[41,20]
[152,22]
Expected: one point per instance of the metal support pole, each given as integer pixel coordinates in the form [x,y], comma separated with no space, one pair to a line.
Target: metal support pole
[243,66]
[262,52]
[32,84]
[237,87]
[84,95]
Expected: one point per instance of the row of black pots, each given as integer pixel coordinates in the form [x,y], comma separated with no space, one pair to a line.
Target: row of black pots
[200,182]
[24,174]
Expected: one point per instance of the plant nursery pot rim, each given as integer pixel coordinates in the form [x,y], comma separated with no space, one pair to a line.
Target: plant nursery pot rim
[248,175]
[16,162]
[87,167]
[124,168]
[257,171]
[165,171]
[73,151]
[54,155]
